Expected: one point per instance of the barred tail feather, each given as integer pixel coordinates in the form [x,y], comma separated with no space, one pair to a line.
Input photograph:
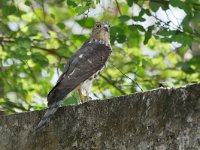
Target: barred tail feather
[55,96]
[46,118]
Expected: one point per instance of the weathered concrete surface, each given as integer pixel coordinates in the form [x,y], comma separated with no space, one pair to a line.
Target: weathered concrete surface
[162,119]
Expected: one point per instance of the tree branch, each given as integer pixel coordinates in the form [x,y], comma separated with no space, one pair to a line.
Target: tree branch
[51,51]
[113,84]
[118,7]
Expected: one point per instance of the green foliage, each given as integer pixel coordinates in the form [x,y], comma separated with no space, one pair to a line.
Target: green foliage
[38,37]
[71,3]
[148,34]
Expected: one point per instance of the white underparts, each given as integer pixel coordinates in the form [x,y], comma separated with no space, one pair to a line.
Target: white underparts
[100,42]
[86,86]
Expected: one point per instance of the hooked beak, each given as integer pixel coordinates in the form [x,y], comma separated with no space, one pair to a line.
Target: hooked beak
[106,28]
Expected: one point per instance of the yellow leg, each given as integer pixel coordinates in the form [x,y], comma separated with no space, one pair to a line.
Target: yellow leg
[81,95]
[88,95]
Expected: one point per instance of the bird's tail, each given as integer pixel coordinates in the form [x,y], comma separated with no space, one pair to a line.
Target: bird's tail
[48,114]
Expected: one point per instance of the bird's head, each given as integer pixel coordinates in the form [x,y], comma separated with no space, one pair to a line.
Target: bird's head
[101,31]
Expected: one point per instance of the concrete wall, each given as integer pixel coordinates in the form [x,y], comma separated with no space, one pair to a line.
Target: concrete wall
[161,119]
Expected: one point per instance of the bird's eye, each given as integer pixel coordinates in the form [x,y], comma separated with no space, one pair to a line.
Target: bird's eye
[98,26]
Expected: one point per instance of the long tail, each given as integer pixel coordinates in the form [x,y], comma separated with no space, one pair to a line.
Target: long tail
[46,118]
[54,98]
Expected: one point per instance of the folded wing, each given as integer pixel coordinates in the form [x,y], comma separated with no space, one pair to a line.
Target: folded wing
[88,60]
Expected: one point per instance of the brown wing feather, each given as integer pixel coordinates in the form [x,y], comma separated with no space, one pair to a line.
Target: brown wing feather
[88,60]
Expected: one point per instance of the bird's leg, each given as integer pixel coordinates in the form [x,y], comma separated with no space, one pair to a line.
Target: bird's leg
[88,96]
[81,95]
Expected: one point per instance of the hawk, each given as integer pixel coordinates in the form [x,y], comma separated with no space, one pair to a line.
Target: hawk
[81,69]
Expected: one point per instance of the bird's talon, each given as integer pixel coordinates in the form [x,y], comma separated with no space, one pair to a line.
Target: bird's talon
[89,98]
[86,98]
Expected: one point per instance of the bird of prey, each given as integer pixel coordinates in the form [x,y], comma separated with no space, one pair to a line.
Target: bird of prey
[81,69]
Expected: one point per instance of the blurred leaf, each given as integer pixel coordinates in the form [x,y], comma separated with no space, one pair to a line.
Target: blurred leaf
[86,22]
[79,37]
[72,100]
[121,38]
[124,18]
[148,34]
[180,4]
[116,29]
[81,9]
[130,2]
[154,6]
[9,10]
[182,38]
[117,34]
[165,32]
[40,59]
[182,50]
[28,3]
[185,66]
[39,13]
[138,18]
[61,25]
[71,3]
[195,61]
[140,28]
[24,42]
[21,54]
[97,1]
[186,23]
[144,11]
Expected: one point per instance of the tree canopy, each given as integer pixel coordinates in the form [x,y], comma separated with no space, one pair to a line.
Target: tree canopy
[154,42]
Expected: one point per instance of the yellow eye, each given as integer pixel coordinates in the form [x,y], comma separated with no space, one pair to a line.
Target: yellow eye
[98,26]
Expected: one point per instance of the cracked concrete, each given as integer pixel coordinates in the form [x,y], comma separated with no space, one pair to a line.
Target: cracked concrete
[161,119]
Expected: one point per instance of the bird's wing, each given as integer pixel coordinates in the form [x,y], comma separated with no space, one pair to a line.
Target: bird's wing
[66,67]
[83,64]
